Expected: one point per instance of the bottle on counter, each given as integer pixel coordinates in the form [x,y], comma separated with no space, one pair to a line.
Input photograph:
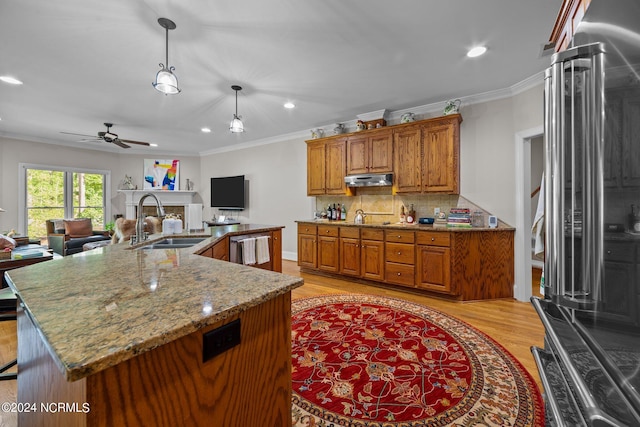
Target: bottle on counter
[343,213]
[329,212]
[403,216]
[338,213]
[334,212]
[411,215]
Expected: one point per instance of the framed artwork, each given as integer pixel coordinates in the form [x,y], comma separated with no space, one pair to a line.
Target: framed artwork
[161,174]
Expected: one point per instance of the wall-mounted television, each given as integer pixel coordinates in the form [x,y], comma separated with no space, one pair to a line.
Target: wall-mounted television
[227,192]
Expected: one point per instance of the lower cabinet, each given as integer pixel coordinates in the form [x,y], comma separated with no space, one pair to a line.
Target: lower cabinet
[307,246]
[372,254]
[433,260]
[328,249]
[465,264]
[350,251]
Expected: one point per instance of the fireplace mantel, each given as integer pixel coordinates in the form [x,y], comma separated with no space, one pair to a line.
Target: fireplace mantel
[167,198]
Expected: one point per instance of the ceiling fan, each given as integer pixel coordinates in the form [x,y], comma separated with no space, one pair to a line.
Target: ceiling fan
[110,137]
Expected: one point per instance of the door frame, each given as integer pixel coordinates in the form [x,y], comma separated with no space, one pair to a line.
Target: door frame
[523,264]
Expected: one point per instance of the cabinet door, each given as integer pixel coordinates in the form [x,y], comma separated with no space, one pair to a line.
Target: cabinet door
[307,251]
[350,256]
[440,166]
[380,152]
[357,155]
[276,258]
[221,250]
[434,268]
[618,296]
[372,259]
[328,254]
[406,151]
[316,164]
[335,167]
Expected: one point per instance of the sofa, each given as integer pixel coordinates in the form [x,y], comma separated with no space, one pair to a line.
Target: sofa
[67,236]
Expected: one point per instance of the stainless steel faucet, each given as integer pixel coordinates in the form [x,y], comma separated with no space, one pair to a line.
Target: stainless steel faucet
[140,236]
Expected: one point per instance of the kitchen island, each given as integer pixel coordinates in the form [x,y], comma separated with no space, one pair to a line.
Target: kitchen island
[126,336]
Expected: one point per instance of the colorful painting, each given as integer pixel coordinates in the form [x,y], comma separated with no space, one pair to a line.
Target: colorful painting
[161,174]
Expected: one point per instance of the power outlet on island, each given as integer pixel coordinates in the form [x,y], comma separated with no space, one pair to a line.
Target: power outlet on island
[220,340]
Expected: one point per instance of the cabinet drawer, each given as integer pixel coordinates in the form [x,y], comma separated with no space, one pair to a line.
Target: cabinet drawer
[307,229]
[433,238]
[619,251]
[401,274]
[325,230]
[350,232]
[372,234]
[400,253]
[399,236]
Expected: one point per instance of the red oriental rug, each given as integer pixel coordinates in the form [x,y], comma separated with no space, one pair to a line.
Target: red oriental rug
[363,360]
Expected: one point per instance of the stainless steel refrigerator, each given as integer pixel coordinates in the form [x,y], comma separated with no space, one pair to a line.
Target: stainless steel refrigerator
[590,363]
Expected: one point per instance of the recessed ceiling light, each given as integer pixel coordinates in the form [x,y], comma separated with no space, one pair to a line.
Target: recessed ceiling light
[10,80]
[206,130]
[289,105]
[476,51]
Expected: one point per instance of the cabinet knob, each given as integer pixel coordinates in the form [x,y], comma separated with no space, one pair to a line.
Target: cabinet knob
[327,231]
[608,252]
[399,236]
[399,274]
[399,253]
[433,239]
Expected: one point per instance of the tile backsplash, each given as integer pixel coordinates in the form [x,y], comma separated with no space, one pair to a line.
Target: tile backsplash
[380,206]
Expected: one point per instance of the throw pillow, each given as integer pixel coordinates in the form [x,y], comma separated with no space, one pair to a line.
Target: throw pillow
[80,227]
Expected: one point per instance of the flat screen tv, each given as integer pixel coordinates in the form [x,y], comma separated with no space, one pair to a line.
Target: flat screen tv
[227,192]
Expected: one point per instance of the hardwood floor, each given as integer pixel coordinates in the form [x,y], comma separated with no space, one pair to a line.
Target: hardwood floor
[513,324]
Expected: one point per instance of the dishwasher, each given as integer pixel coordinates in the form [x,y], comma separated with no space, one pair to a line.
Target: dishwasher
[235,249]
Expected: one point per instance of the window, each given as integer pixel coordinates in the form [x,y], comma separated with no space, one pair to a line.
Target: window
[51,192]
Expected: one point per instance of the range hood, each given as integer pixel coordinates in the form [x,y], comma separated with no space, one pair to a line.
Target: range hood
[369,180]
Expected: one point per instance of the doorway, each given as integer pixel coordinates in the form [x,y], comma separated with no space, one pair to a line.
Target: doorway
[529,154]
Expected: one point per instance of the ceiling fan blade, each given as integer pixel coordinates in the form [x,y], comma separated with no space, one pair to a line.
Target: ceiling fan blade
[128,141]
[79,134]
[90,140]
[119,143]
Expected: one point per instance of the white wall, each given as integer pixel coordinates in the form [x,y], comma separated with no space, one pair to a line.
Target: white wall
[277,175]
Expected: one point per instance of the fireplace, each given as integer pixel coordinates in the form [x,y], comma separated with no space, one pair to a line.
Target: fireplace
[175,202]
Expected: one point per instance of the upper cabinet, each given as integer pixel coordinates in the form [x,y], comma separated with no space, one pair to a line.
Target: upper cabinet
[326,165]
[571,13]
[423,156]
[370,153]
[427,156]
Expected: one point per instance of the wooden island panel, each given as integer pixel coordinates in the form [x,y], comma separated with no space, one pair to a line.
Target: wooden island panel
[170,385]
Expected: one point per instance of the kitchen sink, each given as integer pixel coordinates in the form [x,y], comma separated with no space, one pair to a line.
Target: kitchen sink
[174,242]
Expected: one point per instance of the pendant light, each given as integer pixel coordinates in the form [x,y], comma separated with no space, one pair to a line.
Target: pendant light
[236,125]
[166,82]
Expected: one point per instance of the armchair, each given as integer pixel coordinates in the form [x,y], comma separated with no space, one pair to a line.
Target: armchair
[66,236]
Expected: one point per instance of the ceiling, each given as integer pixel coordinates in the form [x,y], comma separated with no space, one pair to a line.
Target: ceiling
[85,62]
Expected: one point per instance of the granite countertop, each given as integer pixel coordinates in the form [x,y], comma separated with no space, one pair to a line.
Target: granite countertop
[415,226]
[99,308]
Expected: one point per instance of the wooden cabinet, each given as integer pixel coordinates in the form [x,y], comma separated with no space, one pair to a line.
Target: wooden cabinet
[440,157]
[400,257]
[350,251]
[326,166]
[370,153]
[276,259]
[462,264]
[427,156]
[406,149]
[307,246]
[328,249]
[218,251]
[372,254]
[571,13]
[433,261]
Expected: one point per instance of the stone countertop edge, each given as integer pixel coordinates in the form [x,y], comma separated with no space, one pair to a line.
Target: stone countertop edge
[415,226]
[99,308]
